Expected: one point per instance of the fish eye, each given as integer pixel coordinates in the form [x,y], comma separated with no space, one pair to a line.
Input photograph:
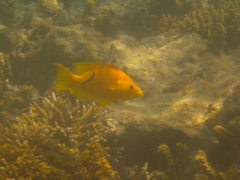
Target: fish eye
[131,87]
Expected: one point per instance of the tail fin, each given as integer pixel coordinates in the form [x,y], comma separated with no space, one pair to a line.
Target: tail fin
[63,78]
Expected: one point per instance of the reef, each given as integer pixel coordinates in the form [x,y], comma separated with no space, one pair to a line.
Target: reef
[14,98]
[174,160]
[225,126]
[5,71]
[57,138]
[7,12]
[219,24]
[182,53]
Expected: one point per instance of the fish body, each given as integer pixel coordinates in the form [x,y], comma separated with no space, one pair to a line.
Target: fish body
[102,82]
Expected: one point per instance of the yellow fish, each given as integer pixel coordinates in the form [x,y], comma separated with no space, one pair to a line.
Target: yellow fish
[102,82]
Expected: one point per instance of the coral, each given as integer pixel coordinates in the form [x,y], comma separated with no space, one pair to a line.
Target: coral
[168,22]
[50,4]
[90,6]
[35,45]
[203,163]
[13,99]
[168,157]
[226,123]
[185,84]
[108,23]
[57,136]
[5,71]
[147,17]
[200,177]
[54,9]
[144,173]
[7,12]
[16,162]
[178,162]
[28,42]
[219,24]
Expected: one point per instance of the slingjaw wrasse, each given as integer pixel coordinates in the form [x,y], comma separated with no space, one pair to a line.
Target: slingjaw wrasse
[98,81]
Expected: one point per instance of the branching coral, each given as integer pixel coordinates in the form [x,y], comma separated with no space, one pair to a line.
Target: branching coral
[144,173]
[168,157]
[182,165]
[53,8]
[59,137]
[13,99]
[176,162]
[225,125]
[203,163]
[7,11]
[27,42]
[219,24]
[5,71]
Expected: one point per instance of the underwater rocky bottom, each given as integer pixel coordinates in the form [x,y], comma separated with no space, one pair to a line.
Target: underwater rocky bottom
[61,138]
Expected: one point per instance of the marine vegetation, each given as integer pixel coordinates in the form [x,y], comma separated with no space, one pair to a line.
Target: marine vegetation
[99,81]
[57,138]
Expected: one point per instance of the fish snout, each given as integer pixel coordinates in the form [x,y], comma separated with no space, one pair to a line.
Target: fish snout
[139,92]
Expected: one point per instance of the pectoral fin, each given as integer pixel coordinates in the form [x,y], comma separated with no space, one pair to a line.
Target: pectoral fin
[84,78]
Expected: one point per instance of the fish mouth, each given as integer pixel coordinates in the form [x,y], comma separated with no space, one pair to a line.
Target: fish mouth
[140,92]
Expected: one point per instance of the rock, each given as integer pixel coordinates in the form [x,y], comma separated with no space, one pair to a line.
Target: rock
[184,84]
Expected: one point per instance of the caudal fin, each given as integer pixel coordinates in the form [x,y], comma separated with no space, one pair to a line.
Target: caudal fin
[63,78]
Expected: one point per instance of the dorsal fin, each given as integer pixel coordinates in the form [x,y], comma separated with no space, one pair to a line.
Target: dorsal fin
[81,67]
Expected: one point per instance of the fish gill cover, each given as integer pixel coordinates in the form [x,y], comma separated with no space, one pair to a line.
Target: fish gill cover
[183,54]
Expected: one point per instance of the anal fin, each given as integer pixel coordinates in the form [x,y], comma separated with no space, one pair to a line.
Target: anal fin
[104,102]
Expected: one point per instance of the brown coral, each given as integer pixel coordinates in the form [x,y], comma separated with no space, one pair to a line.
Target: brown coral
[219,24]
[203,164]
[13,99]
[60,135]
[5,71]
